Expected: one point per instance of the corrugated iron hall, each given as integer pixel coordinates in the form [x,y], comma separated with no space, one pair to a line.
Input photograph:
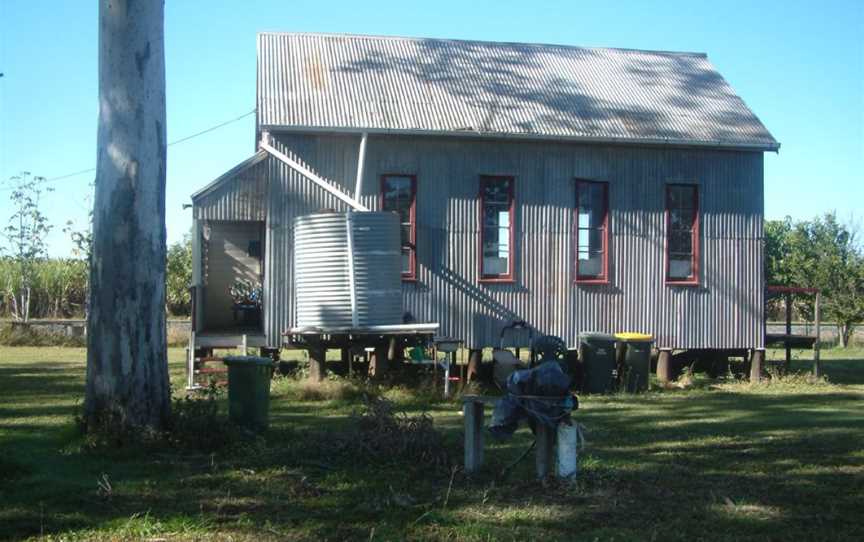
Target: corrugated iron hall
[574,188]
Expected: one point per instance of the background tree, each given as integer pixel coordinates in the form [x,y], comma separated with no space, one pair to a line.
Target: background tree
[820,253]
[26,246]
[127,370]
[179,276]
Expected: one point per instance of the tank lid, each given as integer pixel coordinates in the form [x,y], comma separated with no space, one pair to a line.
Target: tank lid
[634,337]
[240,361]
[595,335]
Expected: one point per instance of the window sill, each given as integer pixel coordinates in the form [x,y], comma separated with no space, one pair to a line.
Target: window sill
[590,282]
[409,279]
[689,283]
[497,280]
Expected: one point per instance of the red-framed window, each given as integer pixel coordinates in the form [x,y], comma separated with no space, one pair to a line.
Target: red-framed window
[496,229]
[399,195]
[592,231]
[682,234]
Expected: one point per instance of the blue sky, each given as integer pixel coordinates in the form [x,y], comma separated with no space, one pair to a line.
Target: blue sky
[799,65]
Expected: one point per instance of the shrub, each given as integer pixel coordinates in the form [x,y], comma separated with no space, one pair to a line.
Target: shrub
[381,433]
[297,387]
[25,336]
[197,422]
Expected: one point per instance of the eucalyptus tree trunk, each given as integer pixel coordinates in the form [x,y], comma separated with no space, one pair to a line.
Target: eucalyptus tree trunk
[127,370]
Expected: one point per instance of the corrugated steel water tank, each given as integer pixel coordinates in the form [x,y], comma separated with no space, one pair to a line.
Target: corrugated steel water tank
[347,270]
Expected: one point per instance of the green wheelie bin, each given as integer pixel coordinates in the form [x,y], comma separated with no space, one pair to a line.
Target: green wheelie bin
[597,352]
[249,391]
[635,360]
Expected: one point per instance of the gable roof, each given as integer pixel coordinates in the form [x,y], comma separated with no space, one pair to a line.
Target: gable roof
[230,175]
[448,87]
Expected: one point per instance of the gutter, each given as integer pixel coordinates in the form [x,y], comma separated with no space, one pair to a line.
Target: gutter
[665,142]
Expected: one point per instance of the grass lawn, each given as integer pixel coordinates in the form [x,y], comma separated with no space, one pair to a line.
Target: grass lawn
[721,460]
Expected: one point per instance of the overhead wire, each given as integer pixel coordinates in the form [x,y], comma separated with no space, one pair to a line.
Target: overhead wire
[170,144]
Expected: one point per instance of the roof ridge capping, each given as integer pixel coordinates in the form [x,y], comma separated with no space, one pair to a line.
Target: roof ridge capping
[484,42]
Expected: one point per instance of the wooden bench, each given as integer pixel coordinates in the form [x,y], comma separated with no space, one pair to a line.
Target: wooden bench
[473,409]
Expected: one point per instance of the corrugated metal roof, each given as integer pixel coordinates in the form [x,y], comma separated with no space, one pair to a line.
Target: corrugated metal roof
[386,84]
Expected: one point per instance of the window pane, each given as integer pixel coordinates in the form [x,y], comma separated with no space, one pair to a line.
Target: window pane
[406,234]
[682,231]
[681,219]
[493,265]
[503,242]
[681,242]
[496,226]
[590,264]
[680,267]
[591,217]
[398,196]
[590,239]
[583,239]
[592,204]
[496,191]
[682,197]
[406,260]
[397,193]
[595,238]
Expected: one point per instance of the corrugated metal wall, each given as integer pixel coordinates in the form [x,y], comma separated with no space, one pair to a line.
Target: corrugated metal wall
[725,311]
[241,197]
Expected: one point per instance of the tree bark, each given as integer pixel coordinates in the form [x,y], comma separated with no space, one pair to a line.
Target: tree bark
[127,370]
[843,334]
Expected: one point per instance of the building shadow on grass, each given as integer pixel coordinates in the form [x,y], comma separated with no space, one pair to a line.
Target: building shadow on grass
[666,465]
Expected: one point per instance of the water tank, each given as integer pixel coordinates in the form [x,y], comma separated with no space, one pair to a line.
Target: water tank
[347,270]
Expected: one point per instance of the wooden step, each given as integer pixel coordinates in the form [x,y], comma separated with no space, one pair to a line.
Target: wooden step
[211,370]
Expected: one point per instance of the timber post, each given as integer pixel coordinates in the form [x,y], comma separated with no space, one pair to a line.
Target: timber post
[475,357]
[317,367]
[817,346]
[787,364]
[473,412]
[545,453]
[345,358]
[378,365]
[664,365]
[757,361]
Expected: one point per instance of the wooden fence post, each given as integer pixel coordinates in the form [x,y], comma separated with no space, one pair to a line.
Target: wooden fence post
[544,453]
[817,346]
[757,361]
[473,412]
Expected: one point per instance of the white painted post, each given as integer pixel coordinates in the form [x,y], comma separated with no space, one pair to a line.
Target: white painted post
[361,160]
[190,362]
[817,346]
[568,450]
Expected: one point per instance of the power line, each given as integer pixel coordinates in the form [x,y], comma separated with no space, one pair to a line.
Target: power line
[172,143]
[202,132]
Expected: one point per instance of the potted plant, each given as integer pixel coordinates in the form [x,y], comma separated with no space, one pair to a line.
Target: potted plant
[246,296]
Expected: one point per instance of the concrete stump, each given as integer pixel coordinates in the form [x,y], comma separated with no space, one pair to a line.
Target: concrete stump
[317,367]
[664,366]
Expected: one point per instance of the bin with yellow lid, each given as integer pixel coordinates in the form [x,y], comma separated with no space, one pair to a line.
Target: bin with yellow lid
[634,358]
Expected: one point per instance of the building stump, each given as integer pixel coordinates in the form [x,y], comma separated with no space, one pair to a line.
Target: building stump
[757,362]
[664,366]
